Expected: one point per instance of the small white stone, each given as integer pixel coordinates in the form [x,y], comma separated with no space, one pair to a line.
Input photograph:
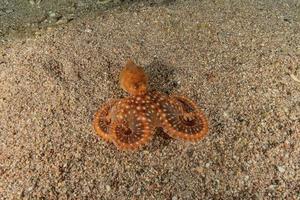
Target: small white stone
[226,114]
[281,169]
[88,30]
[108,188]
[52,14]
[272,187]
[31,2]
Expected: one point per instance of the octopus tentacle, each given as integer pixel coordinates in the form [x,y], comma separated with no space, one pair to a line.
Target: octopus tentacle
[186,105]
[102,120]
[131,131]
[182,119]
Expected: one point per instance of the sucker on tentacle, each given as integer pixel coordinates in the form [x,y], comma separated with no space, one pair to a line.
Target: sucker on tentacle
[130,122]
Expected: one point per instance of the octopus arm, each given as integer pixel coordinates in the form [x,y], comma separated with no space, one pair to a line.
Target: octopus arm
[182,119]
[102,120]
[132,130]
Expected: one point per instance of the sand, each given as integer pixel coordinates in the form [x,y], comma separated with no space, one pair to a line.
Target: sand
[238,61]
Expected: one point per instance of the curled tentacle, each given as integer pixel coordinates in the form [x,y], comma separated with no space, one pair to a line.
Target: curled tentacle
[186,105]
[102,120]
[131,131]
[182,119]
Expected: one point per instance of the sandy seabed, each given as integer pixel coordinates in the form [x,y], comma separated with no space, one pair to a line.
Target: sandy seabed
[236,60]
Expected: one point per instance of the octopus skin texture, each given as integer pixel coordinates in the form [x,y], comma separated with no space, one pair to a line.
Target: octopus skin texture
[130,122]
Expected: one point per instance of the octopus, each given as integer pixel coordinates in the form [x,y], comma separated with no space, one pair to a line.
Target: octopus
[130,122]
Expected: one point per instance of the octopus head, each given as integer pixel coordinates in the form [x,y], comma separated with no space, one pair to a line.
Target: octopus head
[133,79]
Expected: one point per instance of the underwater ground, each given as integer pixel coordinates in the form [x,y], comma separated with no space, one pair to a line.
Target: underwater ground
[239,60]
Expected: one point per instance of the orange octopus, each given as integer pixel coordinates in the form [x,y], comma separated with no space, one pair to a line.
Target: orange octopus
[130,122]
